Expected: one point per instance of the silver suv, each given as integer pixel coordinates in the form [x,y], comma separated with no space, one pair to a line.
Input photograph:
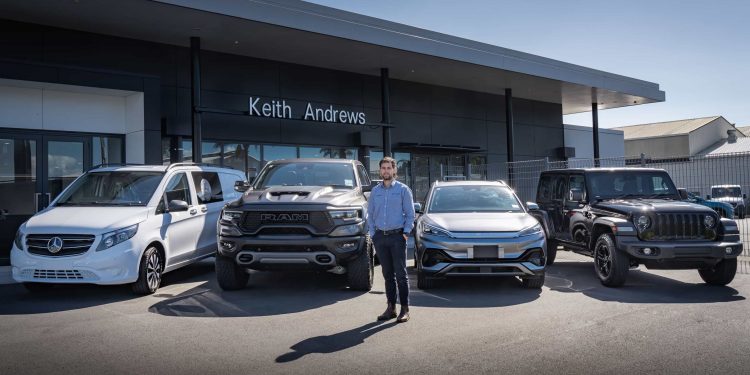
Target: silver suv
[478,228]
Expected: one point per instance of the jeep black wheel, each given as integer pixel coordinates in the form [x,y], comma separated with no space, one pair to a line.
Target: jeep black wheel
[551,252]
[149,272]
[361,270]
[610,264]
[721,274]
[535,282]
[229,275]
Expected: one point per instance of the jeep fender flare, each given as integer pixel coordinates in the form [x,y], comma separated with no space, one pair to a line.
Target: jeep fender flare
[543,218]
[607,224]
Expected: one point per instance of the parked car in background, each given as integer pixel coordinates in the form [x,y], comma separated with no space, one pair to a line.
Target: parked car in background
[478,228]
[722,208]
[124,224]
[731,194]
[625,217]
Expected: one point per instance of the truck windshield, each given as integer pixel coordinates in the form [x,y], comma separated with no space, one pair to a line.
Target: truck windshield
[630,184]
[337,175]
[112,188]
[473,198]
[720,192]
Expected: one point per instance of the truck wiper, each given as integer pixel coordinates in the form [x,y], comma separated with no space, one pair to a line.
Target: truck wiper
[625,196]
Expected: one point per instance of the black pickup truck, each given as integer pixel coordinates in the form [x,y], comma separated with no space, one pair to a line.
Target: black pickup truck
[299,214]
[626,217]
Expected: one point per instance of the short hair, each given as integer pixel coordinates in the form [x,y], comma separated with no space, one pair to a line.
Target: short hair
[388,159]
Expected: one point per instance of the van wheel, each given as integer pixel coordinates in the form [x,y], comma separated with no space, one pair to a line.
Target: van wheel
[551,252]
[149,272]
[721,274]
[229,275]
[610,264]
[361,270]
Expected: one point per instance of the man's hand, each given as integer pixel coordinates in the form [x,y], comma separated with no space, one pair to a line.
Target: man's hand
[405,236]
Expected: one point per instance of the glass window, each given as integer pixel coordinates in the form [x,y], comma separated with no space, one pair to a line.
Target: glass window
[227,181]
[234,156]
[17,177]
[187,150]
[177,189]
[375,158]
[207,187]
[211,153]
[364,177]
[338,175]
[558,187]
[272,152]
[166,146]
[730,191]
[253,160]
[474,198]
[108,150]
[114,188]
[403,166]
[313,152]
[630,184]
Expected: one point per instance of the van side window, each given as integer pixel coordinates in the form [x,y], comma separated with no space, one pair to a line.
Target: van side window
[227,185]
[207,187]
[177,189]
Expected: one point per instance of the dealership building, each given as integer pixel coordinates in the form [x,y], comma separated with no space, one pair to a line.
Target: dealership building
[238,83]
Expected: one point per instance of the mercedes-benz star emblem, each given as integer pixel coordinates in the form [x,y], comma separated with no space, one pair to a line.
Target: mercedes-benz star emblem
[54,245]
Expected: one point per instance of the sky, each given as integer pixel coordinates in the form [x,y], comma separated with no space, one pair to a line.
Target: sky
[697,51]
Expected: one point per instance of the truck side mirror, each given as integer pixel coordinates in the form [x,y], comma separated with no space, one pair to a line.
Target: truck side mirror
[241,186]
[531,206]
[683,193]
[418,207]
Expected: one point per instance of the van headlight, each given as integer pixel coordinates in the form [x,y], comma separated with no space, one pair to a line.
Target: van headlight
[532,230]
[113,238]
[18,241]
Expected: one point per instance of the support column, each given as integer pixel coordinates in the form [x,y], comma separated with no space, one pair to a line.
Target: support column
[595,122]
[385,96]
[509,132]
[195,101]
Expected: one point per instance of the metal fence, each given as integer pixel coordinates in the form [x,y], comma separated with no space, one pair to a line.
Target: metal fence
[697,174]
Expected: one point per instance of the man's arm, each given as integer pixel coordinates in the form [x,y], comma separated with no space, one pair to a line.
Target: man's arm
[369,215]
[407,202]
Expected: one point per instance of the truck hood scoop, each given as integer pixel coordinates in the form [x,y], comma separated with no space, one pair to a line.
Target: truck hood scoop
[294,193]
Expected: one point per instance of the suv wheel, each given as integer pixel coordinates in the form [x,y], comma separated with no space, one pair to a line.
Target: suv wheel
[229,275]
[551,252]
[149,272]
[720,274]
[361,270]
[610,264]
[533,282]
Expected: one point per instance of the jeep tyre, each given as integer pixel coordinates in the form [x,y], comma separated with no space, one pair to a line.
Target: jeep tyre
[610,264]
[535,282]
[721,274]
[551,252]
[149,272]
[361,270]
[229,275]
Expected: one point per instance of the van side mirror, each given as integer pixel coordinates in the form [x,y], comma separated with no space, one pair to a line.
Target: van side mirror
[418,207]
[531,206]
[683,193]
[241,186]
[177,205]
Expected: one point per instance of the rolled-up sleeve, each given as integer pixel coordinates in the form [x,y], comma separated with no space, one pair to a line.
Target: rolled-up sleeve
[408,209]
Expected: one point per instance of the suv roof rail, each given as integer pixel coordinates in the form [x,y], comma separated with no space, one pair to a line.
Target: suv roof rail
[105,165]
[191,164]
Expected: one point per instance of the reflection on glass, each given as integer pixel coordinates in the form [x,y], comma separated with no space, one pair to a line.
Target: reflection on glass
[17,178]
[271,152]
[211,153]
[64,164]
[107,150]
[311,152]
[375,158]
[234,156]
[165,151]
[187,150]
[253,160]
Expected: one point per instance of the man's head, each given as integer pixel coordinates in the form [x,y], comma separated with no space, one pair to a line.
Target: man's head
[388,168]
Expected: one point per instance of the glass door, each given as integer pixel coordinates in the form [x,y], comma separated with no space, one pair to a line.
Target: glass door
[67,158]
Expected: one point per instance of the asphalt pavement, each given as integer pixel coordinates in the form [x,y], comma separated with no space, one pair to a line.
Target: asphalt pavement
[660,321]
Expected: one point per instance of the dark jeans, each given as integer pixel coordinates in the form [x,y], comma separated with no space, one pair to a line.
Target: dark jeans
[391,250]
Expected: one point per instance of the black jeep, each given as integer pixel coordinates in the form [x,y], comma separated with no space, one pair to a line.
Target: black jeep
[625,217]
[305,214]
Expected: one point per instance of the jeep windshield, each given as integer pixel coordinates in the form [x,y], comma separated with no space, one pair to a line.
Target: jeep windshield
[473,198]
[721,192]
[113,188]
[336,175]
[630,185]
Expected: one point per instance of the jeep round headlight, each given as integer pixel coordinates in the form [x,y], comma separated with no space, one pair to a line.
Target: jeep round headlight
[643,222]
[709,221]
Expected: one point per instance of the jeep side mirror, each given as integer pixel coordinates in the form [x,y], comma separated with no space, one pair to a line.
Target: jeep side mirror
[418,207]
[177,205]
[744,196]
[683,193]
[576,195]
[531,206]
[241,186]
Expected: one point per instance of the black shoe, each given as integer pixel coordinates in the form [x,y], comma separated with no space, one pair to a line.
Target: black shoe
[403,317]
[390,313]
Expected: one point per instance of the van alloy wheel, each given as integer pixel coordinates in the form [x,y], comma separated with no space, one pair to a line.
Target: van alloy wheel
[153,271]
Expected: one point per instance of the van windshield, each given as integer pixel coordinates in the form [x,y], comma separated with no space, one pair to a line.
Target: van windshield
[112,188]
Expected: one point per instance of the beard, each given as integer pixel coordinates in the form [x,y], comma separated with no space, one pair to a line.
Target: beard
[386,177]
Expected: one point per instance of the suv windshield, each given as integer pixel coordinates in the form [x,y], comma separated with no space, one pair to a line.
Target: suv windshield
[473,198]
[337,175]
[720,192]
[630,184]
[113,188]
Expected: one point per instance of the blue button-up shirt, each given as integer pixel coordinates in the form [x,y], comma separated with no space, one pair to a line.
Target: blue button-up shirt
[390,208]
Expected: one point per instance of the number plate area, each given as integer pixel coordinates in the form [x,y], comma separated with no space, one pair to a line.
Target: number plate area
[486,252]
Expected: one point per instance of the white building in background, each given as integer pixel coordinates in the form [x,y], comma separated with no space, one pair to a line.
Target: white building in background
[581,140]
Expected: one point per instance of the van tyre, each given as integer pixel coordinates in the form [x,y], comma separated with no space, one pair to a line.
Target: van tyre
[361,270]
[611,265]
[533,282]
[229,275]
[149,272]
[721,274]
[551,252]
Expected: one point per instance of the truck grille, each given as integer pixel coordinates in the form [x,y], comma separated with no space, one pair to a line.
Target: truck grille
[72,244]
[317,222]
[681,227]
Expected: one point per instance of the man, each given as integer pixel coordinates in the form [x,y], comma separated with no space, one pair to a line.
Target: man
[390,217]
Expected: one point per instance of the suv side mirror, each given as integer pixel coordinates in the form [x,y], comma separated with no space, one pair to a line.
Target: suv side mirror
[177,205]
[418,207]
[683,193]
[241,186]
[576,195]
[531,206]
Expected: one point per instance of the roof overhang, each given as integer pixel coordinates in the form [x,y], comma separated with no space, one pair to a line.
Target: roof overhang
[310,34]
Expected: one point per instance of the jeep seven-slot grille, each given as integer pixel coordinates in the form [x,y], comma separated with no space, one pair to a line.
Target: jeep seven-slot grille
[72,244]
[318,221]
[680,227]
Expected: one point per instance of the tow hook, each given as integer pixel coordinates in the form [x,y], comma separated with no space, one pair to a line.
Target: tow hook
[338,270]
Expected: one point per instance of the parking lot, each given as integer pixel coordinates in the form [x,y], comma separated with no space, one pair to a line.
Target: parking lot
[661,321]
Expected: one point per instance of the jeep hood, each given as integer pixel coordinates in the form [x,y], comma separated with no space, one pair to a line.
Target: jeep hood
[84,220]
[302,195]
[630,206]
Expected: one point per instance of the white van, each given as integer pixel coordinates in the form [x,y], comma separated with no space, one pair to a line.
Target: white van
[126,224]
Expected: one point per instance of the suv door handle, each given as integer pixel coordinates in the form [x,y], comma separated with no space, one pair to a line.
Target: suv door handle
[193,211]
[204,209]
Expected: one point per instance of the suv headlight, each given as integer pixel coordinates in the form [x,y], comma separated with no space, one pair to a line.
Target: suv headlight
[435,230]
[344,214]
[231,216]
[709,221]
[642,222]
[534,229]
[113,238]
[19,239]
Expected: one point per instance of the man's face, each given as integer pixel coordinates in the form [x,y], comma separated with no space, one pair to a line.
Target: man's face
[386,171]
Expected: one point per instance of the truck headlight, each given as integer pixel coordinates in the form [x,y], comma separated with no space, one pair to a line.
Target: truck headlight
[231,216]
[344,214]
[643,222]
[347,230]
[709,221]
[18,241]
[113,238]
[435,230]
[534,229]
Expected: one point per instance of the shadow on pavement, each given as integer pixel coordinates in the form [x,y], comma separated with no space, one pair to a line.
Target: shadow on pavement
[641,286]
[65,297]
[470,292]
[333,343]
